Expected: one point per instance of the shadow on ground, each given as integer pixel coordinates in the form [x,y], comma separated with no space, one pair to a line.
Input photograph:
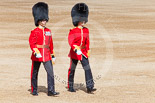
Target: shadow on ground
[79,86]
[42,89]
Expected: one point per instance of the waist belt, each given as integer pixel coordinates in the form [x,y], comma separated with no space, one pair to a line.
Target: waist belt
[42,46]
[82,47]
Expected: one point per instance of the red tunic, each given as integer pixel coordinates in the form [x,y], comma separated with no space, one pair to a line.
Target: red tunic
[41,37]
[79,37]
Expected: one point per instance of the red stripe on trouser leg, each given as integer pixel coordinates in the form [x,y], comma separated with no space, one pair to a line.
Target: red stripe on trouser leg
[69,71]
[31,76]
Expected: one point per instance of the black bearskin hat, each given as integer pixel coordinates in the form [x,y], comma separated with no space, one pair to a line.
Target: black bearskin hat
[79,13]
[40,12]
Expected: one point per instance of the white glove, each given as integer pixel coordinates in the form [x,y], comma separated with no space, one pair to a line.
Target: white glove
[53,59]
[38,55]
[78,52]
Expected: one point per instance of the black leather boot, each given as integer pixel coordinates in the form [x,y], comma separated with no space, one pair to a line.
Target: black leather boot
[50,93]
[71,90]
[35,93]
[91,90]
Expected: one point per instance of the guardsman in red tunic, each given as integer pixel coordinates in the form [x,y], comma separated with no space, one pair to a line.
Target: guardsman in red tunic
[41,44]
[78,39]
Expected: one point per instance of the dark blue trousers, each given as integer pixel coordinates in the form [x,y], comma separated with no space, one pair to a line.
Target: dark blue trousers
[34,75]
[87,69]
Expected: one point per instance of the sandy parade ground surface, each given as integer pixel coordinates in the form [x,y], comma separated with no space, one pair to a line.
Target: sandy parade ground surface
[122,42]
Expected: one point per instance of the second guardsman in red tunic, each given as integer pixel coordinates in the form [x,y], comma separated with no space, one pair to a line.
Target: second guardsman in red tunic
[78,39]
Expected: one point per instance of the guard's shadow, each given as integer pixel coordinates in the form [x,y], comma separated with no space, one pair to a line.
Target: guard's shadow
[79,86]
[40,89]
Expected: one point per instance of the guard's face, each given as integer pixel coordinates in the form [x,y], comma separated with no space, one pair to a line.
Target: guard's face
[81,23]
[43,23]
